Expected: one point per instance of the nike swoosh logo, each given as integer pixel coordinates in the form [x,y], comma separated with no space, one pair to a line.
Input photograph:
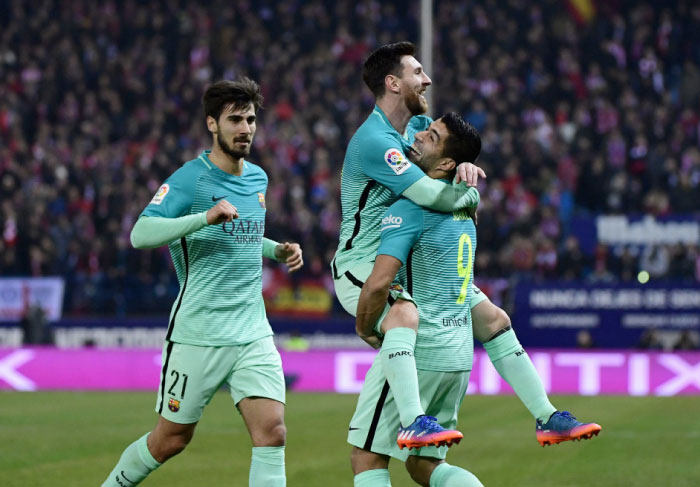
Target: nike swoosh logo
[215,198]
[352,429]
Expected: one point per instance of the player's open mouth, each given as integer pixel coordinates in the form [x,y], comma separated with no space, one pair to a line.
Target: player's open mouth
[415,150]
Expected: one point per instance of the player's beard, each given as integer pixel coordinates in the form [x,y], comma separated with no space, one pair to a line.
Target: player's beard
[425,164]
[416,104]
[227,149]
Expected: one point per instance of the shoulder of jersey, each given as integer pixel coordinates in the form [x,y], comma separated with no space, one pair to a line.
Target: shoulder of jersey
[420,121]
[406,205]
[191,169]
[375,130]
[256,170]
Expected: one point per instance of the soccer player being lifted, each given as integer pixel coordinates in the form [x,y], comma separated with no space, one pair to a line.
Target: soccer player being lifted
[376,172]
[211,212]
[431,256]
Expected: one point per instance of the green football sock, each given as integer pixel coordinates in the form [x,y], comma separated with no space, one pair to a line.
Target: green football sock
[267,467]
[134,465]
[446,475]
[399,366]
[373,478]
[514,365]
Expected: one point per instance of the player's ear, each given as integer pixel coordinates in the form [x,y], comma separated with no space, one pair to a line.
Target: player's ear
[447,164]
[212,125]
[391,83]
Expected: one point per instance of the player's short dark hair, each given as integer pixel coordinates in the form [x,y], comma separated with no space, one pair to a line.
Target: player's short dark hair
[239,93]
[464,142]
[384,61]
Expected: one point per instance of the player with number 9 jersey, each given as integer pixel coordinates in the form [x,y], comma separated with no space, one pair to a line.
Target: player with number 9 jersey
[437,251]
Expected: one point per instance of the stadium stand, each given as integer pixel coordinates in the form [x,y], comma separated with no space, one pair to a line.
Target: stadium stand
[100,101]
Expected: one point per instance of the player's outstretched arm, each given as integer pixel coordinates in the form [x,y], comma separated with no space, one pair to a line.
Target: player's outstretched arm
[373,297]
[436,195]
[153,231]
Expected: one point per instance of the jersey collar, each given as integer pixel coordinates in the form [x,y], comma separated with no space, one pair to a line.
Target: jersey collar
[204,157]
[378,111]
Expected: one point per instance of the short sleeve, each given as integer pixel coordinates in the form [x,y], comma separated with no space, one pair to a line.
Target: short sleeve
[402,225]
[175,196]
[384,160]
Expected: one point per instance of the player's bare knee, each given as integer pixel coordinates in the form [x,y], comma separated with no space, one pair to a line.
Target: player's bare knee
[402,314]
[275,435]
[278,435]
[177,444]
[168,447]
[500,323]
[488,323]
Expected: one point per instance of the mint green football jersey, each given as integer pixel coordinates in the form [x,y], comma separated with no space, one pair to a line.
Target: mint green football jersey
[437,252]
[219,267]
[375,173]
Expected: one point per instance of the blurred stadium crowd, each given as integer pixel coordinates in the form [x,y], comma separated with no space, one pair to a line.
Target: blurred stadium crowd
[100,101]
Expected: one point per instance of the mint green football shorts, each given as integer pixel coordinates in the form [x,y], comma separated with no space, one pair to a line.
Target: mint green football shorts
[376,422]
[349,285]
[191,374]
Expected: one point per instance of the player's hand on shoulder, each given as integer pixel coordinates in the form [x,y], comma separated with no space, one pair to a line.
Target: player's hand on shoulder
[222,212]
[290,254]
[469,173]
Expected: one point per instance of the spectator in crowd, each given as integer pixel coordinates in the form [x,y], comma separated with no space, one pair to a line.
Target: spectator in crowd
[577,118]
[650,340]
[584,339]
[685,342]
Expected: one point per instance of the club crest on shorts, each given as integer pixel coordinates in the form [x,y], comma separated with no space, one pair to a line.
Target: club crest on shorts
[396,287]
[261,199]
[397,161]
[174,405]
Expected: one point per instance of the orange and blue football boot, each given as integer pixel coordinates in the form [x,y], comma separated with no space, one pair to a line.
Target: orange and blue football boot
[426,431]
[563,426]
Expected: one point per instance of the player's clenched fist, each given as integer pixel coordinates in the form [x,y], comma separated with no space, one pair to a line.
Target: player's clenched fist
[290,254]
[222,212]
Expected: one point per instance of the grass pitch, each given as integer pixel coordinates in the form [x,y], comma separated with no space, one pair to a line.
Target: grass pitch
[74,439]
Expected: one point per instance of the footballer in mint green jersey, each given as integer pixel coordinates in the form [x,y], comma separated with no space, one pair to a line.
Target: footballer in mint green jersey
[376,172]
[211,213]
[376,169]
[430,254]
[437,252]
[220,266]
